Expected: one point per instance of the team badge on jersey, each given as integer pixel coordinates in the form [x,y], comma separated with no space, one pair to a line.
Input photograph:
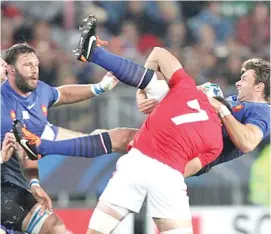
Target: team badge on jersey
[238,108]
[44,110]
[12,114]
[25,114]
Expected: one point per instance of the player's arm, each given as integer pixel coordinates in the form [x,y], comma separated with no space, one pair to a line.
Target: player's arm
[164,64]
[145,104]
[69,94]
[196,164]
[192,167]
[31,172]
[30,168]
[245,137]
[162,60]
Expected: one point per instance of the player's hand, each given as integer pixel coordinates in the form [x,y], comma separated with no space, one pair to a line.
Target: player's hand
[215,103]
[109,81]
[8,146]
[42,198]
[144,104]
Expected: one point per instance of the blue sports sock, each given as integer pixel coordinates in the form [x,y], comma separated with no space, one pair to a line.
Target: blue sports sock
[124,69]
[87,146]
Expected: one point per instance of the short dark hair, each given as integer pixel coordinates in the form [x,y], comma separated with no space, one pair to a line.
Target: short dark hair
[262,70]
[14,51]
[224,102]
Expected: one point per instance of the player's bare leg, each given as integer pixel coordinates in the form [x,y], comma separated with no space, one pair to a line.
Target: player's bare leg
[88,146]
[170,226]
[121,137]
[105,218]
[47,224]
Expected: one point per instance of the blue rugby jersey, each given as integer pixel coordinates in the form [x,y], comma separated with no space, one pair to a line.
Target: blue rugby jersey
[32,111]
[257,114]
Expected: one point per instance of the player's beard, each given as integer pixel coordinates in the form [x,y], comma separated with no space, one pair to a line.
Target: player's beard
[21,83]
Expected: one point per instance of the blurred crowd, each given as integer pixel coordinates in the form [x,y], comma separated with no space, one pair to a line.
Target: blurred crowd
[211,39]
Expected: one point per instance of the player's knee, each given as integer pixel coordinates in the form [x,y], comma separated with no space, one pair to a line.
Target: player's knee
[120,137]
[53,225]
[46,223]
[2,231]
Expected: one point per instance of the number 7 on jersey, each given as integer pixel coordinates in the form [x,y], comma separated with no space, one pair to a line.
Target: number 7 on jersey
[201,115]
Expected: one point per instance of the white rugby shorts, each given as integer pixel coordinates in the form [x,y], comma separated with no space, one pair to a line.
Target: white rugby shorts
[138,176]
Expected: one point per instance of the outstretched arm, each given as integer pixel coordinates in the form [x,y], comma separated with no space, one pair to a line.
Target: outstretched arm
[76,93]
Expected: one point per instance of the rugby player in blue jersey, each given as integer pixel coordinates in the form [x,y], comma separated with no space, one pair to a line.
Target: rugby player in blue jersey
[26,98]
[249,122]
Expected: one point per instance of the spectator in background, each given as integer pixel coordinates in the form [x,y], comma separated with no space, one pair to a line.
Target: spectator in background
[167,12]
[48,52]
[231,71]
[206,38]
[130,36]
[253,30]
[211,15]
[6,33]
[147,43]
[191,8]
[115,11]
[142,14]
[12,12]
[176,35]
[193,64]
[23,34]
[209,66]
